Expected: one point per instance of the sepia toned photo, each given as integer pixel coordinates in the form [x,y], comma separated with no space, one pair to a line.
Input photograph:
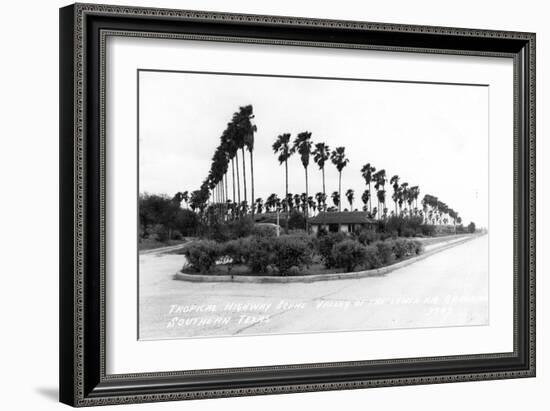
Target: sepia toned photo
[286,204]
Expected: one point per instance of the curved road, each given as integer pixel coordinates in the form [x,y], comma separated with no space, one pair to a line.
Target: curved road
[449,288]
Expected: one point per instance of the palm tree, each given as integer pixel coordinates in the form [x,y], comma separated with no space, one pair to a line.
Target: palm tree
[271,202]
[338,158]
[336,199]
[244,135]
[350,194]
[248,130]
[365,197]
[259,205]
[394,181]
[406,193]
[302,145]
[282,147]
[321,201]
[320,155]
[381,194]
[297,201]
[379,183]
[367,171]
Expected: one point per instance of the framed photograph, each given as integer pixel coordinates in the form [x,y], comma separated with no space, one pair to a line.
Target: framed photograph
[261,204]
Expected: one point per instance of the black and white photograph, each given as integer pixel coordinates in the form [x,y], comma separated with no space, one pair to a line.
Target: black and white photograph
[281,204]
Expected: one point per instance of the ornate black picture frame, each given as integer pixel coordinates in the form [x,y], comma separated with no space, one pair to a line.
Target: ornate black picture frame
[83,30]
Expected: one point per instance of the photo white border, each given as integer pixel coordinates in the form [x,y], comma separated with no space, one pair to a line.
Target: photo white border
[125,354]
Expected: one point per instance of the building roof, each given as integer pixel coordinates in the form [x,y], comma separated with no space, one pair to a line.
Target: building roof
[342,217]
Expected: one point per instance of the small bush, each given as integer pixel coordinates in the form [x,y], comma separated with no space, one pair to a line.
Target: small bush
[400,248]
[385,252]
[202,255]
[368,236]
[264,230]
[325,244]
[408,232]
[427,230]
[417,247]
[259,253]
[158,232]
[372,257]
[291,251]
[236,250]
[222,231]
[348,254]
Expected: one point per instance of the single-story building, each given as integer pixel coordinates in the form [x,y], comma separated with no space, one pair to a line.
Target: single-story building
[346,221]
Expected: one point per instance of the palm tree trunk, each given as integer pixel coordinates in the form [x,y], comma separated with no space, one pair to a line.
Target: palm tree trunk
[340,191]
[286,197]
[238,179]
[226,194]
[233,172]
[244,173]
[370,199]
[323,169]
[252,182]
[307,205]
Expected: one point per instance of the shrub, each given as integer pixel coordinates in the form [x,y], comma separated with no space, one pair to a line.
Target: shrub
[428,230]
[222,231]
[236,250]
[348,254]
[158,232]
[417,247]
[291,251]
[202,255]
[368,236]
[259,253]
[408,232]
[401,248]
[471,228]
[385,252]
[264,230]
[402,226]
[325,244]
[372,257]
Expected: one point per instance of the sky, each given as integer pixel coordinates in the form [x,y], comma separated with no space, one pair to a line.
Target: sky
[431,135]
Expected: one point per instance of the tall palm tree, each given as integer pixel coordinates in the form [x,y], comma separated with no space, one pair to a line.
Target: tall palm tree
[338,158]
[244,136]
[365,197]
[271,201]
[381,194]
[350,195]
[321,201]
[320,155]
[379,183]
[415,192]
[248,129]
[406,193]
[283,149]
[336,199]
[259,205]
[394,181]
[366,172]
[302,145]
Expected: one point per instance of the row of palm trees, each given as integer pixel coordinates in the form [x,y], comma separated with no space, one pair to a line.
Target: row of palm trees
[321,154]
[437,212]
[230,156]
[237,137]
